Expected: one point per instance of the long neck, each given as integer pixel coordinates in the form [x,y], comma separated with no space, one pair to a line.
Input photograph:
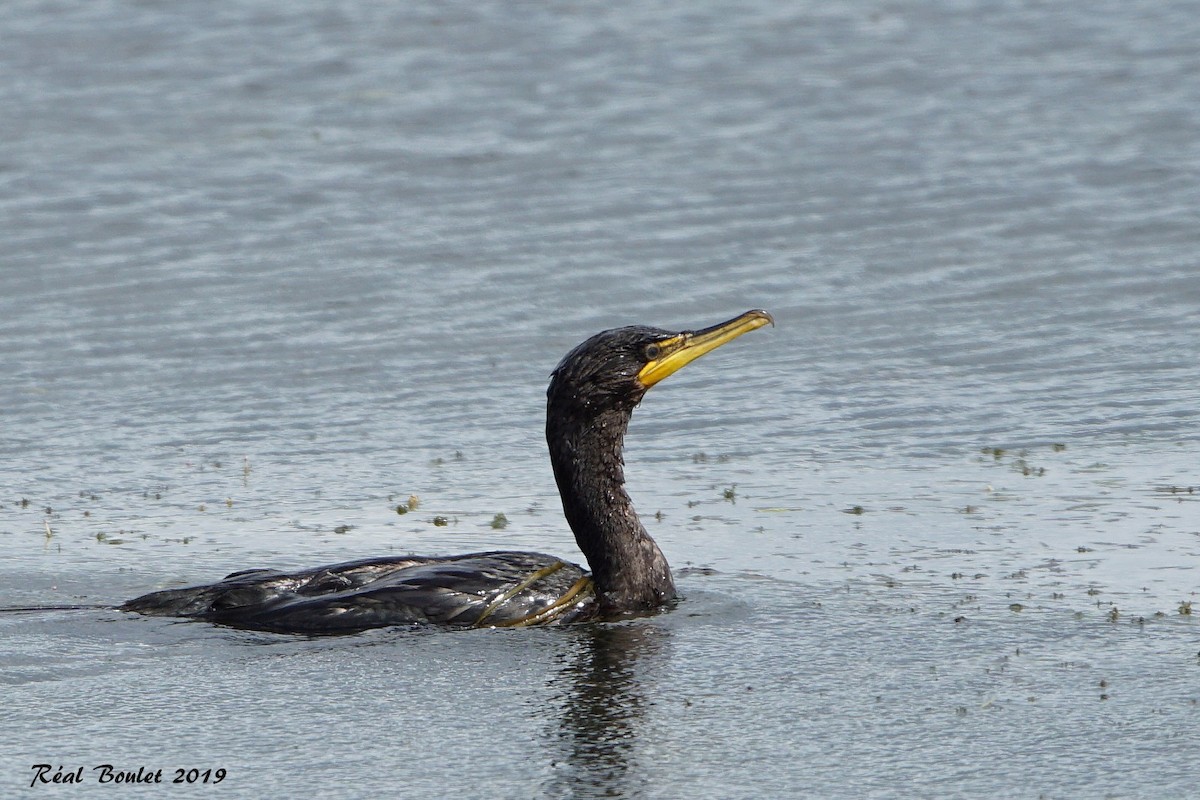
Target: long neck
[630,572]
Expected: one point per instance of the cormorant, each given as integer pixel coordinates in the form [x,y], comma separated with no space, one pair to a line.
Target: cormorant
[591,397]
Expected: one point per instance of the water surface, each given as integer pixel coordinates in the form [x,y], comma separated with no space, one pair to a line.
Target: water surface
[271,270]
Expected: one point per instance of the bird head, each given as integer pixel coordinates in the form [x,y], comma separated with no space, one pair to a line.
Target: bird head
[615,368]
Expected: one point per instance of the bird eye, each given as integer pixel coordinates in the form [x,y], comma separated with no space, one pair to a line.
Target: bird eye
[653,351]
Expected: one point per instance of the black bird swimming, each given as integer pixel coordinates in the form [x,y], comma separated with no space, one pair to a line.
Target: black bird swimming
[592,394]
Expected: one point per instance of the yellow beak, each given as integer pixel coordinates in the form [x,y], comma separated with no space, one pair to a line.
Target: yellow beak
[684,348]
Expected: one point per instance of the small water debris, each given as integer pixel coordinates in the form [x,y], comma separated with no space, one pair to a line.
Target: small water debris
[499,522]
[1020,461]
[1023,466]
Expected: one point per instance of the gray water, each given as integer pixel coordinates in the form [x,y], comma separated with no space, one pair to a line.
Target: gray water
[269,269]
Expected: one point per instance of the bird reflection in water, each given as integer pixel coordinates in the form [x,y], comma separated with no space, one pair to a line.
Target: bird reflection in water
[603,700]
